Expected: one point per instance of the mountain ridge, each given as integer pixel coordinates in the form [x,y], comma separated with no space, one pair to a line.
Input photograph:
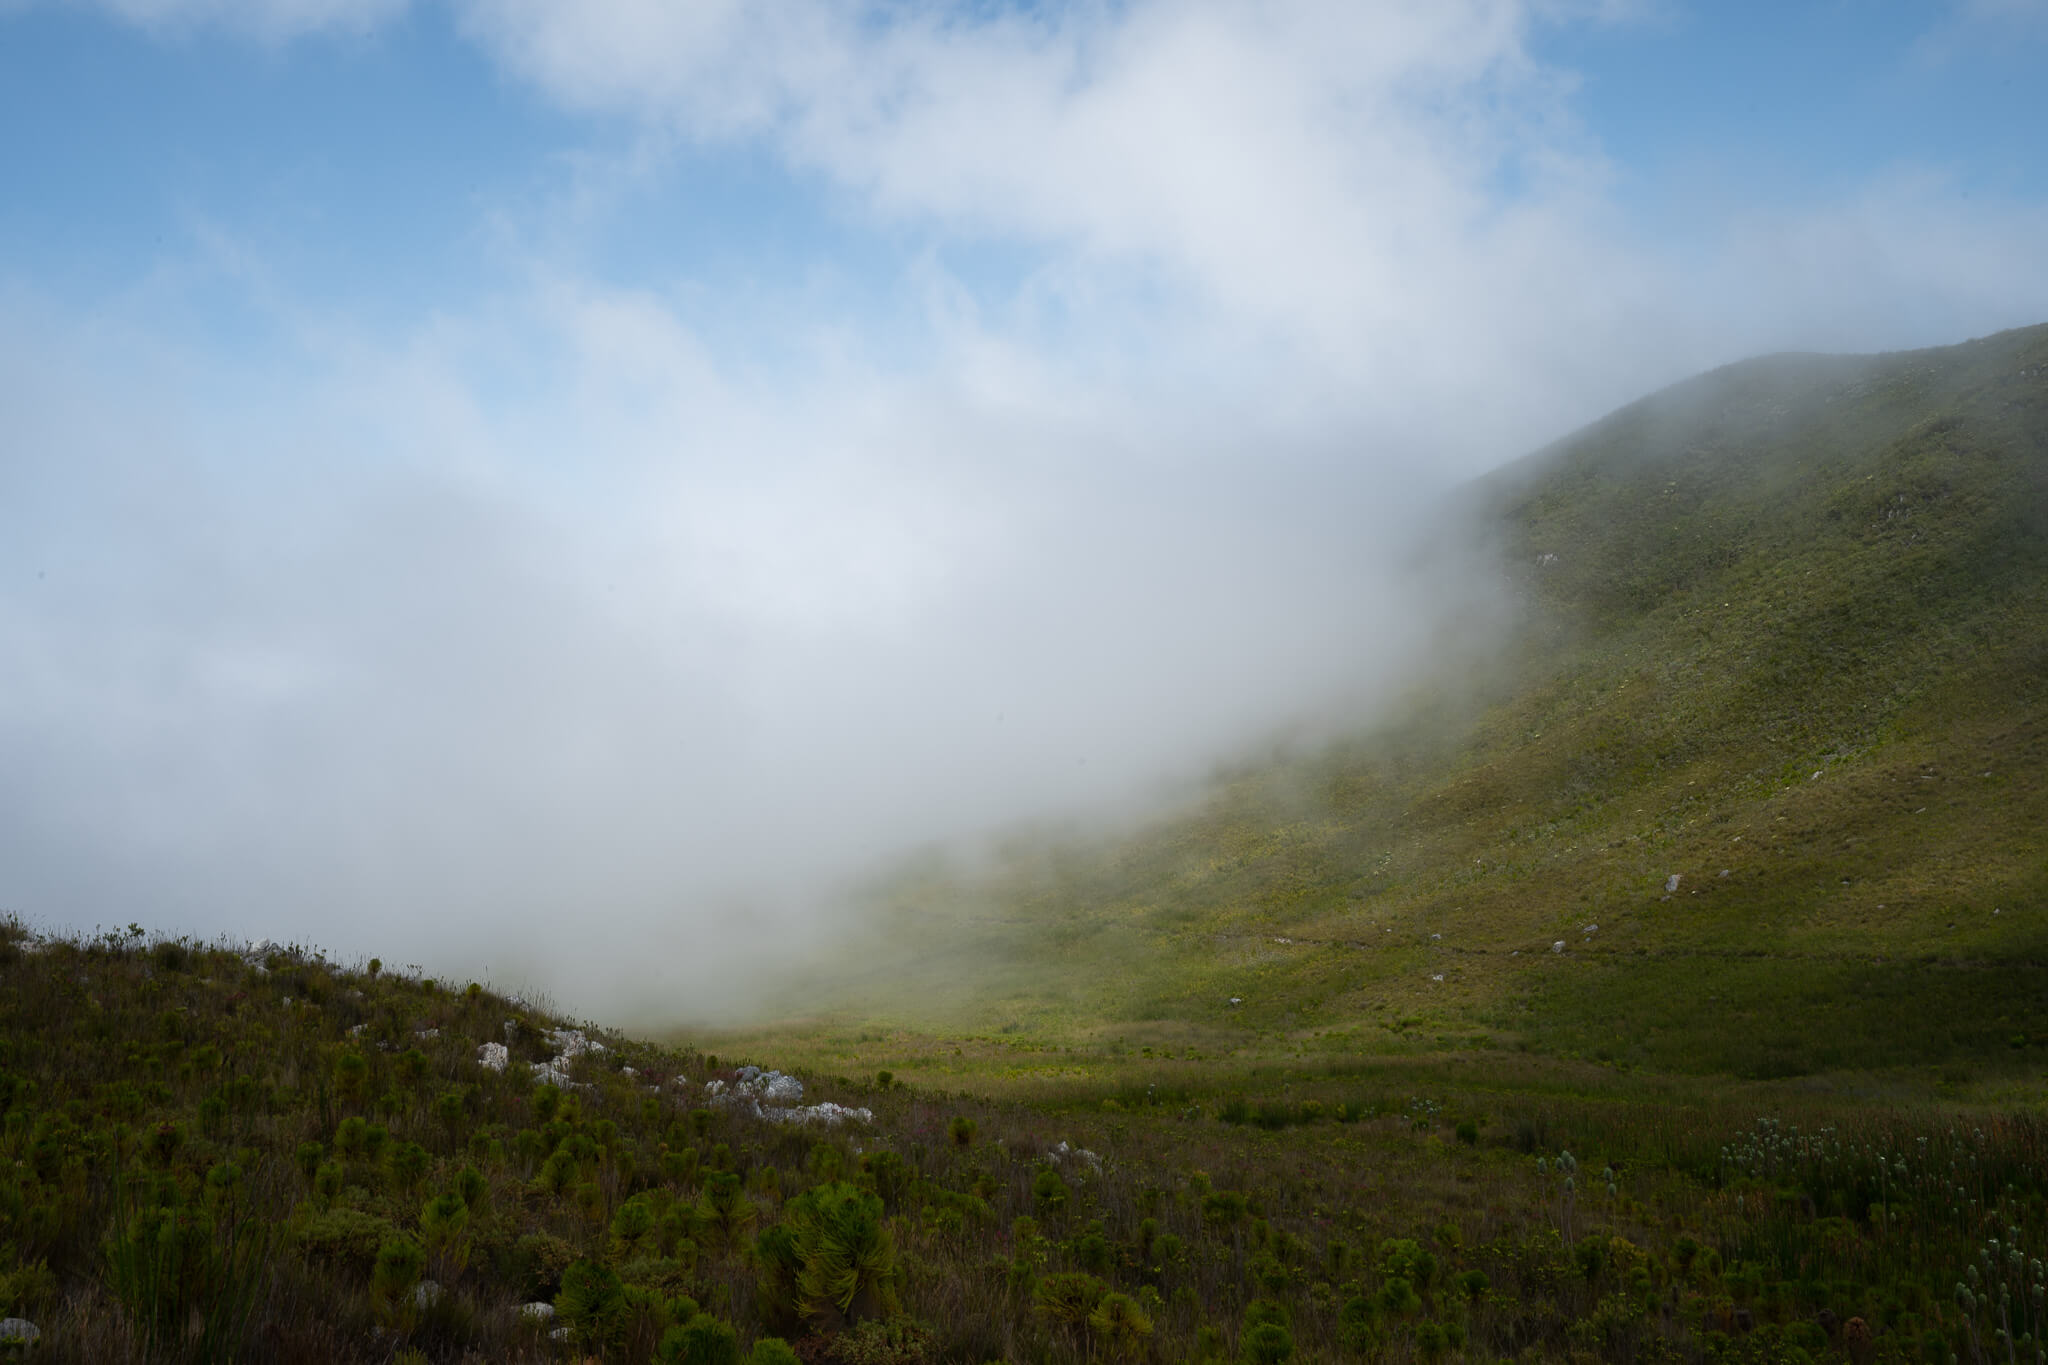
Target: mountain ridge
[1763,614]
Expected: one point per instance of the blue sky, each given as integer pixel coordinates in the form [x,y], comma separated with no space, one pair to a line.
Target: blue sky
[393,164]
[464,459]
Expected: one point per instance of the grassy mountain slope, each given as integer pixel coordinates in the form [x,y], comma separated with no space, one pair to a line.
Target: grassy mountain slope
[1784,635]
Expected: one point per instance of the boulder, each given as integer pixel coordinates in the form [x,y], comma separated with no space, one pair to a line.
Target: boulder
[20,1330]
[493,1056]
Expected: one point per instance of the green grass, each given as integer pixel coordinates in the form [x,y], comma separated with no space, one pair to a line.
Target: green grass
[1788,620]
[201,1160]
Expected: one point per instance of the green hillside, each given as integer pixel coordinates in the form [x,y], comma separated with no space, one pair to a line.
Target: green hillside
[1783,634]
[1404,1051]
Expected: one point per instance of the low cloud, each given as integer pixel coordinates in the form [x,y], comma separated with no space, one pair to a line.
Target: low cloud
[555,636]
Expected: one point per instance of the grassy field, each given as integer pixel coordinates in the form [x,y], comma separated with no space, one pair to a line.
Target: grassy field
[1670,985]
[1784,637]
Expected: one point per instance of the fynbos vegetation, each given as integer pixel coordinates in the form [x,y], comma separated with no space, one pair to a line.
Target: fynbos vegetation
[213,1158]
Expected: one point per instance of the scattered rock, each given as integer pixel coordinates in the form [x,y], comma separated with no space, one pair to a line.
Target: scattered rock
[1590,929]
[426,1294]
[551,1073]
[19,1329]
[827,1113]
[493,1056]
[1557,947]
[536,1311]
[1438,977]
[559,1334]
[1671,883]
[1236,1000]
[572,1042]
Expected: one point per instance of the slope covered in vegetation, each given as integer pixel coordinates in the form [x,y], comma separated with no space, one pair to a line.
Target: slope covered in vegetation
[209,1157]
[1756,788]
[1670,990]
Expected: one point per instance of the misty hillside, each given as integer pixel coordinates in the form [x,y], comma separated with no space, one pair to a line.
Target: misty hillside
[1784,638]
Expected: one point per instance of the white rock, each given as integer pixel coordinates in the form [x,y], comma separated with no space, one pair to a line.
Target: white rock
[550,1073]
[19,1329]
[627,1071]
[536,1311]
[1438,977]
[572,1042]
[828,1114]
[493,1056]
[1237,1000]
[427,1035]
[559,1334]
[1671,883]
[426,1294]
[1557,947]
[1590,929]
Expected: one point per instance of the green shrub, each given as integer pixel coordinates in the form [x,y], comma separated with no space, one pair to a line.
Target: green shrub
[471,1188]
[407,1162]
[831,1256]
[444,1223]
[703,1340]
[1069,1296]
[538,1263]
[1358,1325]
[592,1305]
[400,1261]
[345,1237]
[1397,1298]
[1406,1258]
[1268,1344]
[1118,1324]
[724,1212]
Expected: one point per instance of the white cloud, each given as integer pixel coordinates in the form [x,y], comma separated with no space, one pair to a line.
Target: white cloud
[270,20]
[550,611]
